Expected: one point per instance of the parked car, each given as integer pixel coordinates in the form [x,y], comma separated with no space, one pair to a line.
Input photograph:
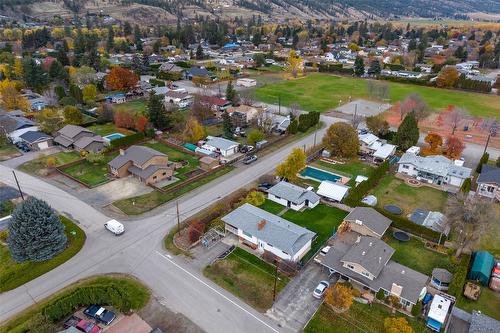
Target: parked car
[71,322]
[325,250]
[99,313]
[115,227]
[246,149]
[88,327]
[264,187]
[320,289]
[250,159]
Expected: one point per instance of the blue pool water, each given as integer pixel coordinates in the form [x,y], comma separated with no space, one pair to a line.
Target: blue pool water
[319,174]
[114,136]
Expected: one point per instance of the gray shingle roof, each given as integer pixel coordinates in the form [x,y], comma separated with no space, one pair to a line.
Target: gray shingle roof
[442,275]
[63,141]
[370,218]
[145,173]
[489,174]
[220,143]
[481,323]
[34,136]
[276,231]
[411,281]
[293,193]
[71,131]
[137,154]
[371,253]
[436,165]
[86,140]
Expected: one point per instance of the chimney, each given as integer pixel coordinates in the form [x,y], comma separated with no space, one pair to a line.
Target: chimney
[122,152]
[261,224]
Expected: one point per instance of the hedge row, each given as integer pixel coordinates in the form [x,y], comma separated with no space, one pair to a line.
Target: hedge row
[308,120]
[156,82]
[127,140]
[459,277]
[111,294]
[335,68]
[356,194]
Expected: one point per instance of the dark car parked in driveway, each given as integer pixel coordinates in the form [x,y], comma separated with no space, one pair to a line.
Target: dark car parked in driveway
[264,187]
[99,313]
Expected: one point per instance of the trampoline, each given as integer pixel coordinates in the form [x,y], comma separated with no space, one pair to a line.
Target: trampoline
[401,236]
[393,209]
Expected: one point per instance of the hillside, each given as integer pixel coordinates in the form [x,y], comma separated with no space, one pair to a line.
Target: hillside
[153,11]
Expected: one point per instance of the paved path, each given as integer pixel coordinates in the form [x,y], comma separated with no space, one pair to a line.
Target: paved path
[139,252]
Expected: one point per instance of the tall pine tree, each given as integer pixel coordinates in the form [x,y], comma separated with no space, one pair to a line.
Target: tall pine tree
[359,66]
[231,94]
[35,232]
[408,133]
[227,125]
[156,112]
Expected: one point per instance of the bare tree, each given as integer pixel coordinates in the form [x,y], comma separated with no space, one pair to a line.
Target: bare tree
[455,117]
[294,110]
[415,103]
[370,87]
[247,97]
[50,97]
[469,217]
[383,90]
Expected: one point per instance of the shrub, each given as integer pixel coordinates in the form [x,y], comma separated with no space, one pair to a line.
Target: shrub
[484,159]
[416,310]
[158,83]
[466,185]
[294,127]
[127,140]
[459,276]
[380,294]
[3,235]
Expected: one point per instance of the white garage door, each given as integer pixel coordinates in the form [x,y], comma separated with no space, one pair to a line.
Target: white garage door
[43,145]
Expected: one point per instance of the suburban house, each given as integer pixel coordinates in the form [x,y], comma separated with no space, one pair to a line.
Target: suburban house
[36,140]
[366,262]
[332,191]
[276,122]
[79,138]
[293,196]
[220,145]
[198,72]
[147,164]
[371,145]
[266,232]
[437,169]
[366,221]
[173,69]
[181,98]
[488,182]
[216,104]
[117,98]
[250,113]
[13,124]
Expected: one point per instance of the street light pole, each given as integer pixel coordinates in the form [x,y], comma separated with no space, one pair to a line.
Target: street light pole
[18,187]
[487,142]
[275,279]
[178,218]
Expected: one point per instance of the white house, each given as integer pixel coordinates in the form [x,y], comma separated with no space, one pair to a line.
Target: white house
[293,196]
[266,232]
[220,145]
[437,170]
[372,145]
[488,182]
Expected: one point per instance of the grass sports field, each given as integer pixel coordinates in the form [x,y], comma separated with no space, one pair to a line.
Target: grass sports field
[322,92]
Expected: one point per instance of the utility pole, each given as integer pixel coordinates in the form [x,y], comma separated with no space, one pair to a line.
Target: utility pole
[315,138]
[18,187]
[279,105]
[487,142]
[275,279]
[178,218]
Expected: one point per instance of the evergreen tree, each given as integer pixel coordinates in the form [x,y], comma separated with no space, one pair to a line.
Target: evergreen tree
[374,68]
[231,94]
[127,28]
[359,66]
[35,232]
[110,43]
[157,113]
[137,38]
[407,134]
[227,125]
[199,53]
[57,71]
[34,75]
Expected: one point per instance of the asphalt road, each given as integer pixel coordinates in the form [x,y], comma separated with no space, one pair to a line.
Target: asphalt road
[139,252]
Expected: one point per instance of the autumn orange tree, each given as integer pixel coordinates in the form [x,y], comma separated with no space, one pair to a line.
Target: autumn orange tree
[339,296]
[121,79]
[397,325]
[447,77]
[454,147]
[435,141]
[124,119]
[140,123]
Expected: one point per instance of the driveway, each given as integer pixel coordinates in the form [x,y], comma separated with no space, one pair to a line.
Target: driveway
[32,155]
[295,304]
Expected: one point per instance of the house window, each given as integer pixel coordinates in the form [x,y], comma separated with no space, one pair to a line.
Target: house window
[247,234]
[366,274]
[406,166]
[490,189]
[404,302]
[350,266]
[270,245]
[164,174]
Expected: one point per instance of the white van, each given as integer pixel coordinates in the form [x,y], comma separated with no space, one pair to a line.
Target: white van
[115,227]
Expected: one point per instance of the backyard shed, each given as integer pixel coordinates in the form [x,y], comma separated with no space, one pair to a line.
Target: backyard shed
[481,267]
[190,146]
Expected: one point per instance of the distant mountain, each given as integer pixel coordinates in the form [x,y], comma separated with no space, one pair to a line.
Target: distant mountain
[272,9]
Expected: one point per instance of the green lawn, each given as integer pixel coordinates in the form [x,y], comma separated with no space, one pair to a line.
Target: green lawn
[349,169]
[41,163]
[91,174]
[322,219]
[109,128]
[414,255]
[392,190]
[322,92]
[137,107]
[360,318]
[272,207]
[13,274]
[488,303]
[130,289]
[6,208]
[247,277]
[149,201]
[8,151]
[489,240]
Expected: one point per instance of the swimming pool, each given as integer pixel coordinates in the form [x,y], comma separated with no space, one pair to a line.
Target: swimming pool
[114,136]
[319,175]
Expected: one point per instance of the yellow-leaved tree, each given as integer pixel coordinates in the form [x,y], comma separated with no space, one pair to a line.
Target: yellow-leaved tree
[339,296]
[194,131]
[11,98]
[295,162]
[397,325]
[295,64]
